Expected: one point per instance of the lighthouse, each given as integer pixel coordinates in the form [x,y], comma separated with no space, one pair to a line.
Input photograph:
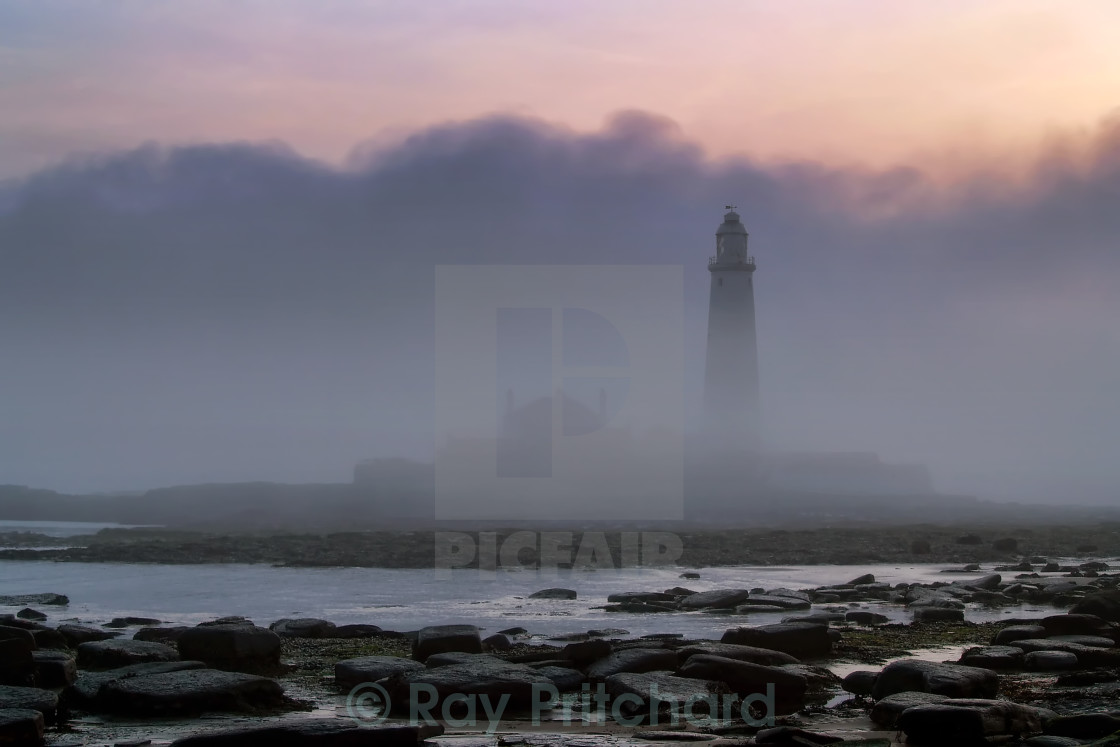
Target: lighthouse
[731,408]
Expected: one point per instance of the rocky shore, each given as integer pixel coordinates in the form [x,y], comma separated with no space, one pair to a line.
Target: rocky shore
[832,546]
[832,672]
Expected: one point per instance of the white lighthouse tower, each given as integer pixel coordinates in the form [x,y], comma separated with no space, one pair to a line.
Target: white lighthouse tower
[731,408]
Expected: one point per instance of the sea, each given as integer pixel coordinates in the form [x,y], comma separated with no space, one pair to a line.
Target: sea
[408,599]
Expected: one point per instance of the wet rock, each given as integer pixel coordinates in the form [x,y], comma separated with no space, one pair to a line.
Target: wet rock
[235,646]
[191,691]
[860,682]
[771,600]
[866,578]
[25,637]
[556,593]
[1050,661]
[121,653]
[747,679]
[993,657]
[86,688]
[169,635]
[865,617]
[49,638]
[497,642]
[803,640]
[586,651]
[318,732]
[970,721]
[951,680]
[1014,633]
[1077,623]
[350,672]
[718,598]
[17,665]
[1084,725]
[1093,641]
[633,660]
[671,690]
[31,698]
[887,709]
[752,654]
[54,669]
[565,679]
[128,622]
[641,607]
[486,675]
[817,618]
[440,639]
[690,575]
[303,627]
[76,635]
[641,596]
[458,657]
[989,582]
[794,737]
[357,630]
[1048,741]
[938,614]
[24,600]
[21,726]
[1103,604]
[30,614]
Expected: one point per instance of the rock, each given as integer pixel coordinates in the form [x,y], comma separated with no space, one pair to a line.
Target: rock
[1093,641]
[859,682]
[803,640]
[564,678]
[886,710]
[49,638]
[121,653]
[641,596]
[514,631]
[864,617]
[54,669]
[29,614]
[633,660]
[1014,633]
[357,630]
[161,635]
[866,578]
[817,618]
[717,598]
[31,698]
[485,676]
[556,593]
[17,665]
[1050,661]
[21,726]
[350,672]
[672,691]
[76,635]
[128,622]
[690,575]
[1084,725]
[237,646]
[989,582]
[746,679]
[1048,741]
[314,732]
[439,639]
[752,654]
[497,642]
[86,688]
[24,600]
[25,637]
[770,600]
[794,737]
[586,651]
[993,657]
[1077,623]
[303,627]
[190,691]
[951,680]
[938,614]
[970,721]
[1102,604]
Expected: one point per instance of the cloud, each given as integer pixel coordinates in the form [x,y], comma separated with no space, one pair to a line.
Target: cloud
[238,311]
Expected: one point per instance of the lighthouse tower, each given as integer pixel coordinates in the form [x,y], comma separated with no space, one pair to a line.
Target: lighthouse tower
[731,409]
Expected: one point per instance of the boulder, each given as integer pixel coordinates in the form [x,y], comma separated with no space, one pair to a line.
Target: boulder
[169,635]
[497,642]
[1014,633]
[357,630]
[1084,725]
[990,582]
[803,640]
[970,721]
[316,732]
[672,691]
[25,637]
[1093,641]
[234,646]
[556,593]
[484,676]
[21,726]
[76,635]
[1050,661]
[564,678]
[54,669]
[49,638]
[887,709]
[585,652]
[350,672]
[1080,623]
[17,665]
[938,614]
[29,614]
[866,578]
[86,688]
[860,682]
[303,627]
[439,639]
[190,691]
[30,698]
[746,679]
[633,660]
[1103,604]
[641,596]
[865,617]
[752,654]
[121,653]
[771,600]
[950,680]
[993,657]
[717,598]
[128,622]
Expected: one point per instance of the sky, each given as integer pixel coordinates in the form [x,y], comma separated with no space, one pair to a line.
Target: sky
[219,221]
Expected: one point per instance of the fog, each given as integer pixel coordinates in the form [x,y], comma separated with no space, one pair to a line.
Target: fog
[229,312]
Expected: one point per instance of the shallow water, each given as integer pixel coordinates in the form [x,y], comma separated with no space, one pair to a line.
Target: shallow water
[407,599]
[60,528]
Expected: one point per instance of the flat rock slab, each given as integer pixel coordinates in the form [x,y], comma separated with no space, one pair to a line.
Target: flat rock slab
[993,657]
[718,598]
[352,672]
[796,639]
[745,679]
[753,654]
[29,698]
[86,688]
[236,646]
[121,653]
[951,680]
[439,639]
[21,726]
[485,676]
[671,691]
[887,710]
[54,669]
[76,635]
[633,660]
[191,691]
[319,732]
[970,721]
